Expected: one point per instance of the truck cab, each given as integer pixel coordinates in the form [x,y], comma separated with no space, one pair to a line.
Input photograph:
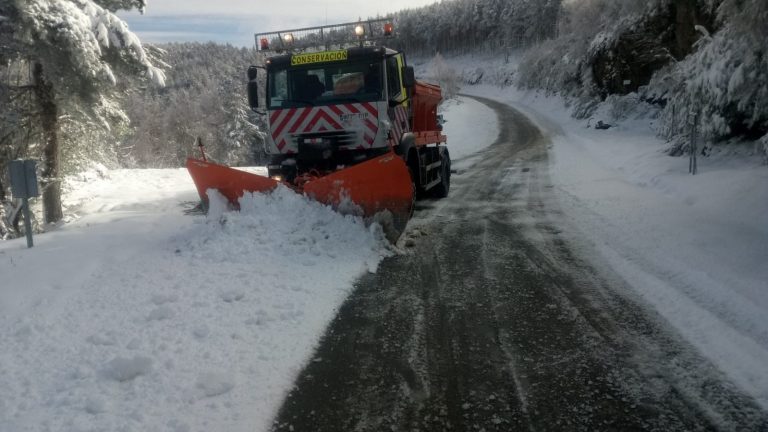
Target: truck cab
[331,109]
[336,97]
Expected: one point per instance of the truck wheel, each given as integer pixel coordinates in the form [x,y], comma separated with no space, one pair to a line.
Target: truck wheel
[442,188]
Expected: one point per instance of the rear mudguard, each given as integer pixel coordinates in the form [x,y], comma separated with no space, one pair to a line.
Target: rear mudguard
[378,189]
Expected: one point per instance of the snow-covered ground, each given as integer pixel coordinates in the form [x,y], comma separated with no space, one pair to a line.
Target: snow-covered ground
[136,317]
[470,126]
[693,247]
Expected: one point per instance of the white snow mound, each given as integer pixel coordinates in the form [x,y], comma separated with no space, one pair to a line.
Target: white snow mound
[126,318]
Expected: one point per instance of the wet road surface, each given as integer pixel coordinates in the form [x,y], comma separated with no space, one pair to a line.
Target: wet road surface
[493,321]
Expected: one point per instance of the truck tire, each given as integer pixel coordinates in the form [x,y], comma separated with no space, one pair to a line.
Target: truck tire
[442,188]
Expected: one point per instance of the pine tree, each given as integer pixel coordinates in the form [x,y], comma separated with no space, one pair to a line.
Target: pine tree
[75,49]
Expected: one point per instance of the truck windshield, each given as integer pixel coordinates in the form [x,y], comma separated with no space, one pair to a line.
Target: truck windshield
[325,84]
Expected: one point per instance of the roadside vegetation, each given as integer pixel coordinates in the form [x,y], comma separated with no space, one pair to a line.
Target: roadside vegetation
[701,59]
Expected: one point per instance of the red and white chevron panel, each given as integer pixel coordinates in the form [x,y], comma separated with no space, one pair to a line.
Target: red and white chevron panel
[358,117]
[399,116]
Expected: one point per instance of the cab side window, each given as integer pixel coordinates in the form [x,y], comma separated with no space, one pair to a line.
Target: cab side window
[393,79]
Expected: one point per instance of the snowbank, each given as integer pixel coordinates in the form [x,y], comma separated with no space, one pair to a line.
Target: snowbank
[470,127]
[138,317]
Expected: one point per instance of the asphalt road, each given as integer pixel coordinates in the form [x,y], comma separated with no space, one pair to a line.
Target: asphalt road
[494,321]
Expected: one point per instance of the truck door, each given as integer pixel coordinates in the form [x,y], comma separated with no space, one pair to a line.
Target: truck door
[397,97]
[395,89]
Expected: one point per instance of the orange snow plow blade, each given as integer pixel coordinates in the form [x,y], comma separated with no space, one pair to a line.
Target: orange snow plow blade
[379,189]
[230,182]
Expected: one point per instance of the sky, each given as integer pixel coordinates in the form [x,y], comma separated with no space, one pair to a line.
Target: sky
[235,21]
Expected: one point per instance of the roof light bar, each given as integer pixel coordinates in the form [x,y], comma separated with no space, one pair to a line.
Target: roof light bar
[327,37]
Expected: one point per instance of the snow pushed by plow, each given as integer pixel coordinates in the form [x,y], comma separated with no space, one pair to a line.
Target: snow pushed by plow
[306,234]
[197,323]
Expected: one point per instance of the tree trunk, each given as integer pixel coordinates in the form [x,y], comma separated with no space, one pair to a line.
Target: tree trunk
[51,183]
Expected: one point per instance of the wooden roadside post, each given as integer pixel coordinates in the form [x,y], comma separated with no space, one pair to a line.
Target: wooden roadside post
[693,121]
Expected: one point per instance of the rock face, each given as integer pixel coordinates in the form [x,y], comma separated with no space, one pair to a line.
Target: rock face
[659,38]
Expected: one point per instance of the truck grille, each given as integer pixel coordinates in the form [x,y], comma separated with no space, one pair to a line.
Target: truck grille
[335,139]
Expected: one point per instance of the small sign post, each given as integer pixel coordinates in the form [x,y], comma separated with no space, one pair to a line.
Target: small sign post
[24,186]
[693,121]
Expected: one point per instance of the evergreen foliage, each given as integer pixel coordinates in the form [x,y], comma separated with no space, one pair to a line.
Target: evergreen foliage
[462,26]
[62,58]
[725,79]
[686,56]
[204,97]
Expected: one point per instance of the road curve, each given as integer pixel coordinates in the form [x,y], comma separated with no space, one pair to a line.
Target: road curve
[494,321]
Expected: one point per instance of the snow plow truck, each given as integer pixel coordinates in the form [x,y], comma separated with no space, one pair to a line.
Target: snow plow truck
[349,126]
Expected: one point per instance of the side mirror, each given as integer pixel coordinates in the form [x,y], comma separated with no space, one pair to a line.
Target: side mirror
[253,72]
[253,88]
[409,77]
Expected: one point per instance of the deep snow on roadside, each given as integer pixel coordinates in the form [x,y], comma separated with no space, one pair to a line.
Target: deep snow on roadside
[693,247]
[135,317]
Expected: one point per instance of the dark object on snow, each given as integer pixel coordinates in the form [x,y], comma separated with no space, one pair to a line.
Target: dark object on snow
[655,100]
[600,125]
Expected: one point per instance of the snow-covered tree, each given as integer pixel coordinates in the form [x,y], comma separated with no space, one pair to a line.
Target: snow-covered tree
[204,97]
[445,76]
[686,56]
[75,50]
[464,26]
[585,61]
[726,78]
